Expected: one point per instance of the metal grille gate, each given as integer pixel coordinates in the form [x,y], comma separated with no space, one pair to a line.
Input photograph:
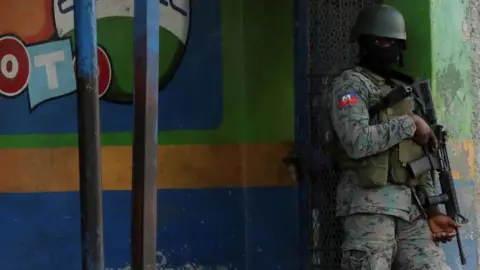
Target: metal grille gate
[329,52]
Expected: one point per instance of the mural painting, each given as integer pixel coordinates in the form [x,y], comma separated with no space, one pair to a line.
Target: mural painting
[223,80]
[37,71]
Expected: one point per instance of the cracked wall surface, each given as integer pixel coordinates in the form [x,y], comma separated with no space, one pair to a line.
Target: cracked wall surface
[471,31]
[455,65]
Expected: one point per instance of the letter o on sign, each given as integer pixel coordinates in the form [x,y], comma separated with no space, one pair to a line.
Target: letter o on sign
[14,66]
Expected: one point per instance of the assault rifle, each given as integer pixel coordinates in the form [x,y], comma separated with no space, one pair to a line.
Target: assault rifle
[436,159]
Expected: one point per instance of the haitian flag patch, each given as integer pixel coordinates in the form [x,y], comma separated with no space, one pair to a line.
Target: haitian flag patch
[348,99]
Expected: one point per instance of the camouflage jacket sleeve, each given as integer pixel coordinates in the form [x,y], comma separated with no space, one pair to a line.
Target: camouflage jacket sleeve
[429,186]
[351,121]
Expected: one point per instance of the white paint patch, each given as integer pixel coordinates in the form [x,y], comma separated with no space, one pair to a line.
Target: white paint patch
[170,18]
[162,265]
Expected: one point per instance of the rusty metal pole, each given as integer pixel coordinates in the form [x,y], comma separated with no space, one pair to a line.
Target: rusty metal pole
[88,135]
[145,133]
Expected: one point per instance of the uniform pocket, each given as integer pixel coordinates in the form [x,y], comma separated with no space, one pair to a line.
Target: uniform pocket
[374,171]
[408,151]
[355,259]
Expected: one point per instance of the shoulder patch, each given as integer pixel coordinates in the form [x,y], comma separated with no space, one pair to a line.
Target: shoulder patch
[348,99]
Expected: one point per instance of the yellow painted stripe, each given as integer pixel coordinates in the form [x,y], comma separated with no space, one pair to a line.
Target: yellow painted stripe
[463,159]
[192,166]
[186,166]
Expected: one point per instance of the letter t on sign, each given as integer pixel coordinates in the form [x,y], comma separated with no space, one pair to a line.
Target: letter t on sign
[48,61]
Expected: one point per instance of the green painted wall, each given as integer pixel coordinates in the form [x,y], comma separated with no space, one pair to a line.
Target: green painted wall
[268,44]
[436,49]
[452,66]
[418,56]
[257,83]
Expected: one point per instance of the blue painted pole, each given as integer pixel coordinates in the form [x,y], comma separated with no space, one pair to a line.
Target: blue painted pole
[145,134]
[89,135]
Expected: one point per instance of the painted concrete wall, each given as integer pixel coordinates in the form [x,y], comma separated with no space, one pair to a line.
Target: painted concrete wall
[226,121]
[471,43]
[456,104]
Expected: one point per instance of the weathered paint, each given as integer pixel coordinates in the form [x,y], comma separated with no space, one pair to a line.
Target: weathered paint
[471,33]
[455,102]
[463,159]
[452,67]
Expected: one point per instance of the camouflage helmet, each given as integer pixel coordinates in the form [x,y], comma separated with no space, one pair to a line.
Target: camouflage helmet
[381,21]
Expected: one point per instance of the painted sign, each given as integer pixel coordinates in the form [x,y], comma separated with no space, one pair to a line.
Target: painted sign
[37,74]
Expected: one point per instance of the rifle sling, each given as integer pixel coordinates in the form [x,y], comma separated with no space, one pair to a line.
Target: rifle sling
[397,94]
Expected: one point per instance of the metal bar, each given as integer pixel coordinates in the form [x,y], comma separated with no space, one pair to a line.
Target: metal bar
[302,126]
[88,135]
[145,133]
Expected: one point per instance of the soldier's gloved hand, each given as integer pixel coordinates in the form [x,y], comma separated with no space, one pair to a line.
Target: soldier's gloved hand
[423,134]
[442,227]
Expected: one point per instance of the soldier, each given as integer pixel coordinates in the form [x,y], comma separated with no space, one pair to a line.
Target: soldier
[384,226]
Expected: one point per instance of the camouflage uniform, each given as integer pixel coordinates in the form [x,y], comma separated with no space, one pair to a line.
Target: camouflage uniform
[383,226]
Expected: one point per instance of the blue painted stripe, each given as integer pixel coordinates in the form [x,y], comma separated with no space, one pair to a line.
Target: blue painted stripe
[208,227]
[451,252]
[232,227]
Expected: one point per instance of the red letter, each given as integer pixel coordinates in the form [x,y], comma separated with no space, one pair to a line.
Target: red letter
[104,71]
[14,66]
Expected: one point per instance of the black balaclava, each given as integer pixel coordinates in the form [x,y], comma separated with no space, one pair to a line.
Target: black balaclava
[380,59]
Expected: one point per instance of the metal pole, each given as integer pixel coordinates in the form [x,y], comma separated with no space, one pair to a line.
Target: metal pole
[88,135]
[145,146]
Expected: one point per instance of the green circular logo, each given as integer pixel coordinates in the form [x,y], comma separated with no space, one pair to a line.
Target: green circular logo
[115,37]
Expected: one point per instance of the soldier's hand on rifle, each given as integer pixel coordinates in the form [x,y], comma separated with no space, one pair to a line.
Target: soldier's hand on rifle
[442,227]
[423,134]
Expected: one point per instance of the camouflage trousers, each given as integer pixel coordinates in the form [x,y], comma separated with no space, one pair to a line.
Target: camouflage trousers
[381,242]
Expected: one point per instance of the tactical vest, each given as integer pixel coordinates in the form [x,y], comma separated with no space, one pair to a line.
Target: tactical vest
[389,166]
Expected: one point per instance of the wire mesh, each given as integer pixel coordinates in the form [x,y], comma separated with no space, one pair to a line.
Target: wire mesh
[330,52]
